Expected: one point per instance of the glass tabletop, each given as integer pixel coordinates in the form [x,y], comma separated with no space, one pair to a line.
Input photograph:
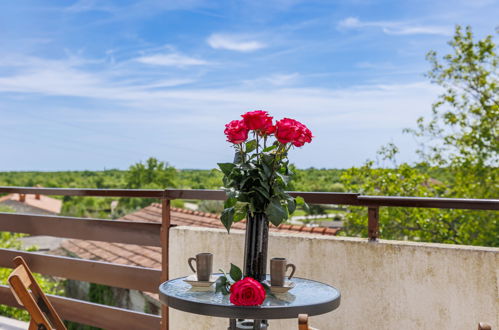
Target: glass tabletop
[307,296]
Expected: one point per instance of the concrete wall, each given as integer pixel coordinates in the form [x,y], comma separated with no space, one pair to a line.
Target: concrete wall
[385,285]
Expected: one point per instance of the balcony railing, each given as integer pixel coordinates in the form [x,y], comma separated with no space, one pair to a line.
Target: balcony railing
[151,234]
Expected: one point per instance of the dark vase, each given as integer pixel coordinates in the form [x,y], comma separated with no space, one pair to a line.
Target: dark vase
[255,248]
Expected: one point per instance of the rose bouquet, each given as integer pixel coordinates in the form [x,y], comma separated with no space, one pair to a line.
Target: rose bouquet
[256,180]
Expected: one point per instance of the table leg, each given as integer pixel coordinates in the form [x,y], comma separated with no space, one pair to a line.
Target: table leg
[248,324]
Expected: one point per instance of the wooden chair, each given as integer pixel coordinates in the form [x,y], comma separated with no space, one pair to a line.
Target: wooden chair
[484,326]
[29,294]
[303,322]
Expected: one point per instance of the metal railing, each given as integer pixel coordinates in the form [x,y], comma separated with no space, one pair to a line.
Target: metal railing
[151,234]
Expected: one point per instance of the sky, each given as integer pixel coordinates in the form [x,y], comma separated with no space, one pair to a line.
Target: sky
[101,84]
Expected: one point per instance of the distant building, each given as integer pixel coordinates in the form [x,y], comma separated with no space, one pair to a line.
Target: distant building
[33,204]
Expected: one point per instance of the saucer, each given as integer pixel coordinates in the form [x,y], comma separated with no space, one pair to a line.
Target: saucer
[193,280]
[288,285]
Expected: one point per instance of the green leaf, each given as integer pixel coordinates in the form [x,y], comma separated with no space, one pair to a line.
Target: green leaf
[267,170]
[272,147]
[262,191]
[284,178]
[241,211]
[235,273]
[291,205]
[243,197]
[230,202]
[250,146]
[227,218]
[276,212]
[226,168]
[299,200]
[220,283]
[268,159]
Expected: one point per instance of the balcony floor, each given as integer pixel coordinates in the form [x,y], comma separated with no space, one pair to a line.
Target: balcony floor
[11,324]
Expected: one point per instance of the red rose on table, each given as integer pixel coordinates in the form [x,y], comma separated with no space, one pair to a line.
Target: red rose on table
[236,131]
[247,292]
[290,130]
[258,120]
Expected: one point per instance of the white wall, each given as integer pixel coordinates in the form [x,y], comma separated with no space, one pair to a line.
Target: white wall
[385,285]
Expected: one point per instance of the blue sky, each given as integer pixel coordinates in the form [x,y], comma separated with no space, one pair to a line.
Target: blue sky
[104,84]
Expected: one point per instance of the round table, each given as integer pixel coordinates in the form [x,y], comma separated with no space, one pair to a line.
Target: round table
[307,297]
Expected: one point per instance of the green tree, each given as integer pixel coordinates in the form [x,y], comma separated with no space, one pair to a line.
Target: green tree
[461,138]
[153,174]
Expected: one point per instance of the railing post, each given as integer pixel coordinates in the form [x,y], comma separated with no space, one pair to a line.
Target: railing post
[165,241]
[373,223]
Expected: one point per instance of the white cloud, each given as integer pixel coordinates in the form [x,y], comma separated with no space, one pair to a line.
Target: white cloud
[359,106]
[350,22]
[173,59]
[368,115]
[234,42]
[394,27]
[438,30]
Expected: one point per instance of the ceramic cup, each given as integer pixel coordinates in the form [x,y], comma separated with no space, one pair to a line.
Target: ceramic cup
[278,268]
[204,265]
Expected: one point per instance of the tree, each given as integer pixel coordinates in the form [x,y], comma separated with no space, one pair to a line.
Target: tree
[461,138]
[153,174]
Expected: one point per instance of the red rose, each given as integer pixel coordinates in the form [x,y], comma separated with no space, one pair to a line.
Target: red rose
[236,131]
[258,120]
[247,292]
[304,136]
[290,130]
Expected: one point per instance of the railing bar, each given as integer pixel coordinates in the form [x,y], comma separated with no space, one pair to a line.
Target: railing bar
[93,314]
[122,276]
[118,231]
[145,193]
[311,197]
[430,202]
[165,242]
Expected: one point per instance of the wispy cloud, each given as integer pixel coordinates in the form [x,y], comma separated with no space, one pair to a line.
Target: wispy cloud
[147,107]
[395,27]
[172,59]
[237,43]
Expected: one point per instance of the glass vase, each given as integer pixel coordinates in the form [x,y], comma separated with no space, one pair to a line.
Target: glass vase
[255,248]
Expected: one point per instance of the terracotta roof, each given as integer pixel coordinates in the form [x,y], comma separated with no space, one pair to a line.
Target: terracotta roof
[150,257]
[184,217]
[45,203]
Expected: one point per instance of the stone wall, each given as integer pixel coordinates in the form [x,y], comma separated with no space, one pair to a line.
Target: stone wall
[385,285]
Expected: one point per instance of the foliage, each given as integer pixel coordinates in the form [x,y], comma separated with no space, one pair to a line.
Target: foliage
[153,174]
[459,142]
[256,183]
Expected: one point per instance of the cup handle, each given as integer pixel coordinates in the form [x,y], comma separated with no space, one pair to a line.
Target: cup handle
[293,267]
[189,261]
